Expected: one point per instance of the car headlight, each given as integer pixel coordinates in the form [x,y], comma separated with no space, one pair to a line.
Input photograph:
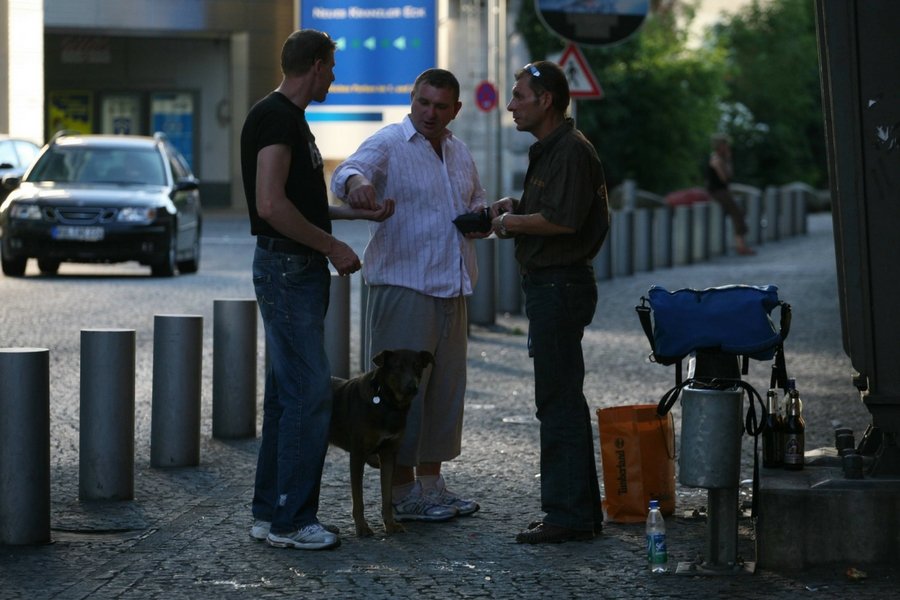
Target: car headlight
[30,212]
[136,214]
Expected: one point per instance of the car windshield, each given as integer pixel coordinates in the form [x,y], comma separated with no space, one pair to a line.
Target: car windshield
[85,164]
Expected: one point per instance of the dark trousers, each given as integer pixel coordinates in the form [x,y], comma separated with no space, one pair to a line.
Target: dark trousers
[559,304]
[731,208]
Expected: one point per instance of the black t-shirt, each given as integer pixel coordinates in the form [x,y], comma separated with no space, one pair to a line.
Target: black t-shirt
[713,181]
[277,120]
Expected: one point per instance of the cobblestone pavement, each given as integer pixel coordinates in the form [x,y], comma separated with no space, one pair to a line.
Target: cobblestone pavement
[185,533]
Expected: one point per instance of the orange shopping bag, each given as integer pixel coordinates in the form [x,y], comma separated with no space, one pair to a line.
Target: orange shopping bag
[637,449]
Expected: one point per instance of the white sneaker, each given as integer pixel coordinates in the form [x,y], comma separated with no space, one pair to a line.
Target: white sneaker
[416,507]
[311,537]
[440,494]
[260,530]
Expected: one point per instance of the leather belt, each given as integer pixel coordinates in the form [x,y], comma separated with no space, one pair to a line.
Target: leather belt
[285,246]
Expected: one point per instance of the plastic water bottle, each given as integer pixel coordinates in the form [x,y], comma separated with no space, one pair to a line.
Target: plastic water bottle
[657,555]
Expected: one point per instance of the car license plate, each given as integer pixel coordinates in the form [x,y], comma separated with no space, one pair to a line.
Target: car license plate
[81,234]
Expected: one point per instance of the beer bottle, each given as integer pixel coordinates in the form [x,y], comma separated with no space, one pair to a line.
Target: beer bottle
[794,430]
[773,433]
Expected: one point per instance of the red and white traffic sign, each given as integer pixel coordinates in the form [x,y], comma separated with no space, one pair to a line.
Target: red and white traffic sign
[486,96]
[582,83]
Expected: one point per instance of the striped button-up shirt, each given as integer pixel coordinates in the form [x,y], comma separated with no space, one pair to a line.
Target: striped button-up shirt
[418,247]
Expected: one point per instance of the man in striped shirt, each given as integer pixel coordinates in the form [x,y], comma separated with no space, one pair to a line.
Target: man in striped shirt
[419,268]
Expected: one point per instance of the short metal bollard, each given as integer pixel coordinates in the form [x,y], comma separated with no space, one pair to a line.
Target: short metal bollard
[337,326]
[482,302]
[234,369]
[364,364]
[603,262]
[682,231]
[177,362]
[716,229]
[509,279]
[754,218]
[770,214]
[621,237]
[700,232]
[643,239]
[786,199]
[662,237]
[106,415]
[24,446]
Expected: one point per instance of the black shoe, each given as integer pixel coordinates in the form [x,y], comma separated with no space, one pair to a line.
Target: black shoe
[545,533]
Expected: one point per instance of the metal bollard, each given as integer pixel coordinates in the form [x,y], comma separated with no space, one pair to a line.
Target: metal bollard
[603,262]
[509,281]
[482,305]
[337,326]
[786,195]
[106,415]
[700,232]
[754,218]
[662,237]
[364,363]
[643,240]
[681,235]
[620,235]
[234,369]
[770,213]
[800,226]
[24,446]
[716,239]
[177,362]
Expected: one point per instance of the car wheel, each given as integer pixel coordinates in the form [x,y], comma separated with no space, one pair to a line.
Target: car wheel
[48,266]
[166,265]
[13,266]
[193,263]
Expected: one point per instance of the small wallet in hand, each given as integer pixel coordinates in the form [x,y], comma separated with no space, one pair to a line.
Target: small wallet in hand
[474,222]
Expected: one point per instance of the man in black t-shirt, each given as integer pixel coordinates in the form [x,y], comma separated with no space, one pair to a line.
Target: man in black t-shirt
[284,183]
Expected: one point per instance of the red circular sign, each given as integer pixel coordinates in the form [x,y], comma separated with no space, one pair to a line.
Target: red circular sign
[486,96]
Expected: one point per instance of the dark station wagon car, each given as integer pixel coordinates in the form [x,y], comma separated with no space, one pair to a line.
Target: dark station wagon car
[103,199]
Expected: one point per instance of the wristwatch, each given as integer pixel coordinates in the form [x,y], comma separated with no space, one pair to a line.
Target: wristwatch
[502,227]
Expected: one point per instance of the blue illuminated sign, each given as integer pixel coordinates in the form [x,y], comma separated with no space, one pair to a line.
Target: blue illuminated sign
[382,46]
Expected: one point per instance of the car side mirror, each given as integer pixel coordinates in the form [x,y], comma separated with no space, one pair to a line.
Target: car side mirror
[187,184]
[11,182]
[7,165]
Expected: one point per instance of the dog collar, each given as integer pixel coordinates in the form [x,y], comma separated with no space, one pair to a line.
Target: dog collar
[376,390]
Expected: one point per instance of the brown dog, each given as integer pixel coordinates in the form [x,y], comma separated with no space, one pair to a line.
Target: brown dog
[368,421]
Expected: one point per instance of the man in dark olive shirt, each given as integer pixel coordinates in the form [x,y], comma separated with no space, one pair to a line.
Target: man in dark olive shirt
[558,225]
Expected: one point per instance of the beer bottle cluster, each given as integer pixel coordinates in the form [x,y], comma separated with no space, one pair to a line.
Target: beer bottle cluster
[784,434]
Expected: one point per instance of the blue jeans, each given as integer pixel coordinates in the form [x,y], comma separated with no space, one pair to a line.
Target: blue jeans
[292,292]
[559,304]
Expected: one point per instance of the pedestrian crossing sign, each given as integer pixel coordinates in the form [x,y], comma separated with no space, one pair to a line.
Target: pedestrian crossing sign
[582,83]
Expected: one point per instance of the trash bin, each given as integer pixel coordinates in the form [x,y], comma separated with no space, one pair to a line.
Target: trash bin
[711,430]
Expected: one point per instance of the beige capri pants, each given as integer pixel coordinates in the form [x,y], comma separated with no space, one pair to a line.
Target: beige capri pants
[399,318]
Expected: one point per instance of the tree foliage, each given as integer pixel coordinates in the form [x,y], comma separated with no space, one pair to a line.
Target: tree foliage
[772,70]
[757,80]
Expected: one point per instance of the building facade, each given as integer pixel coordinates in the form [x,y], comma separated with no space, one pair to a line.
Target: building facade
[193,68]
